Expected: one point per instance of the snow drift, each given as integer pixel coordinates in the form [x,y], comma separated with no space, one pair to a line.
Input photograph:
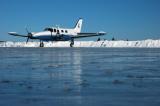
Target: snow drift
[138,44]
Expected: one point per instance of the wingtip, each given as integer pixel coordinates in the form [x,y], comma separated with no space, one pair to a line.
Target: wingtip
[11,33]
[102,33]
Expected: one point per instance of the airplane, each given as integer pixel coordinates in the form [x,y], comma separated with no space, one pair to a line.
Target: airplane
[58,34]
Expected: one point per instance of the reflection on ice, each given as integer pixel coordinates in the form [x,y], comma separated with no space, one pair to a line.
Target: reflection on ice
[79,76]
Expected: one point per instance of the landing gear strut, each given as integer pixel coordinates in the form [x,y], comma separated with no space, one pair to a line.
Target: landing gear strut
[72,42]
[41,44]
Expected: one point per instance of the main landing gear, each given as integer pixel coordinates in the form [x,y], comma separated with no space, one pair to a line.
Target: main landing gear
[72,42]
[41,44]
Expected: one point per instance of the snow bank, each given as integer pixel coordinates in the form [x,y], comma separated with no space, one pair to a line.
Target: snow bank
[140,44]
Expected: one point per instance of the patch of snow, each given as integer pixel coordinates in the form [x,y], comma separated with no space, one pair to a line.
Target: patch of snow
[140,44]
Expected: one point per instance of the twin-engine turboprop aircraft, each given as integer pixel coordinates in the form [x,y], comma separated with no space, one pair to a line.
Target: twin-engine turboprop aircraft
[58,34]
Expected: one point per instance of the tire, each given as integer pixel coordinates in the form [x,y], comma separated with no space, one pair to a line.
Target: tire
[41,44]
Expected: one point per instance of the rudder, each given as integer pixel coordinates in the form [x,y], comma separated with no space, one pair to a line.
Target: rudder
[78,26]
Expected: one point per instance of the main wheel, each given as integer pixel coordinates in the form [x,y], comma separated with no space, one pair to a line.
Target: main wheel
[41,44]
[72,43]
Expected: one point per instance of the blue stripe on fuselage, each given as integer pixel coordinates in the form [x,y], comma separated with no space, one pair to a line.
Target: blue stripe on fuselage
[54,38]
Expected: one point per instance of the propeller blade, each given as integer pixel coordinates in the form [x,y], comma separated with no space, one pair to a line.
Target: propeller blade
[27,30]
[27,40]
[29,34]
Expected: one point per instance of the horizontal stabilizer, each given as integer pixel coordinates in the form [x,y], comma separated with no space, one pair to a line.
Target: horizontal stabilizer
[80,35]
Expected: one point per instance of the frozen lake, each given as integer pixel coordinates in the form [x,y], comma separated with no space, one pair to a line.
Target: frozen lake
[79,76]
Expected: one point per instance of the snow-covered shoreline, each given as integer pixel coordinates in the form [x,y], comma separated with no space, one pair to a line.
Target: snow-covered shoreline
[117,44]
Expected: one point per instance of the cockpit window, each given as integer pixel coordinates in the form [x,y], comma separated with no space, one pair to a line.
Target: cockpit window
[48,29]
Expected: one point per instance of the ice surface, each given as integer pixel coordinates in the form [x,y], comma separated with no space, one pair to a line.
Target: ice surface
[79,77]
[140,43]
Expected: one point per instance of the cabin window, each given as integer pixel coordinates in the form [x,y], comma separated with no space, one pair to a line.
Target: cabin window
[66,31]
[57,31]
[62,31]
[54,30]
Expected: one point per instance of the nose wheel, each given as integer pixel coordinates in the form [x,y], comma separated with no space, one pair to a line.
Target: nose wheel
[72,42]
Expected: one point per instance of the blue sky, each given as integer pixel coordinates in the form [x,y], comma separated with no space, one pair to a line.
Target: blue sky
[132,19]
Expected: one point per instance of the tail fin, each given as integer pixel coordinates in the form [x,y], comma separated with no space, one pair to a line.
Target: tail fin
[78,26]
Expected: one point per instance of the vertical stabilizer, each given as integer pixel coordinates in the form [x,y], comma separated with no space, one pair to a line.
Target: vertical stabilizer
[78,26]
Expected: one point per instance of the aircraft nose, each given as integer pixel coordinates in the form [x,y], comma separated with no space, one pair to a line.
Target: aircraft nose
[36,35]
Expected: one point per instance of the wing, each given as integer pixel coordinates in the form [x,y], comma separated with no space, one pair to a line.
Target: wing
[81,35]
[15,34]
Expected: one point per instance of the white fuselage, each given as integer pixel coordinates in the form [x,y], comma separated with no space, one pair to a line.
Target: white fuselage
[57,32]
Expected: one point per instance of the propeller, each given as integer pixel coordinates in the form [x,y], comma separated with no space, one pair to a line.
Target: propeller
[29,34]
